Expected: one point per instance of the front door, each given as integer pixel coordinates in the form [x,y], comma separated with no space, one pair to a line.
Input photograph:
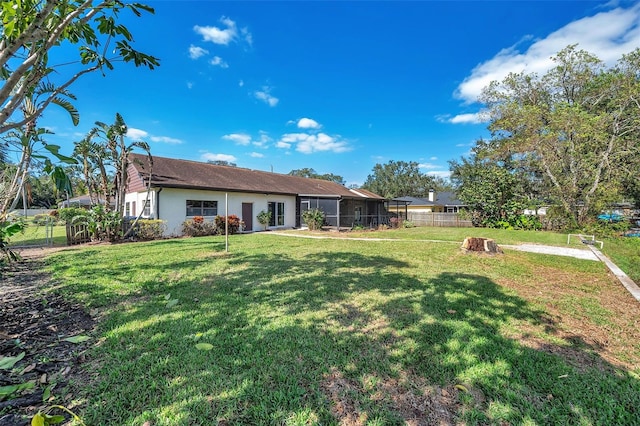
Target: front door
[247,216]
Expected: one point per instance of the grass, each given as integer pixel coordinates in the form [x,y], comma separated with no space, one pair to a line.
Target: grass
[36,235]
[307,331]
[625,253]
[502,236]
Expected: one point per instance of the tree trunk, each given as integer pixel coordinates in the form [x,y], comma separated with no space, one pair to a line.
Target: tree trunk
[485,245]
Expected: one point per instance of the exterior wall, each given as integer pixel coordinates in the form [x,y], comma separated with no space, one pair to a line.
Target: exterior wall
[172,206]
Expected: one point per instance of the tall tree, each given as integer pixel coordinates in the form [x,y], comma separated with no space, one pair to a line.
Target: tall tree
[575,124]
[495,189]
[32,29]
[400,179]
[311,173]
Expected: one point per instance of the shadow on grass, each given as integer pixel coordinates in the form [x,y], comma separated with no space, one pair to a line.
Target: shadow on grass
[320,339]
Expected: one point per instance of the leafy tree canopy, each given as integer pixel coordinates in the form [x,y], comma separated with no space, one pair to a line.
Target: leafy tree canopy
[402,179]
[31,29]
[311,173]
[576,126]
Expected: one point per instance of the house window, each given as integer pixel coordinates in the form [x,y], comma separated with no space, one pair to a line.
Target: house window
[358,214]
[202,208]
[277,214]
[147,209]
[133,208]
[127,209]
[452,210]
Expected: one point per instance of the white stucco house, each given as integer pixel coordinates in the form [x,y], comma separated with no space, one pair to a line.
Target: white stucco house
[182,189]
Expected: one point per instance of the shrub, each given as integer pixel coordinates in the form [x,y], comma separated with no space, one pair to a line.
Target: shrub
[67,214]
[264,217]
[606,229]
[313,218]
[42,219]
[235,224]
[408,224]
[150,229]
[198,228]
[102,225]
[395,222]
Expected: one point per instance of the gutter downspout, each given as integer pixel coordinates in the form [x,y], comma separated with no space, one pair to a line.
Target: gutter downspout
[158,203]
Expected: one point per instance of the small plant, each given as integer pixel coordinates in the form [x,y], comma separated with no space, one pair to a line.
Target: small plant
[45,419]
[264,218]
[198,227]
[395,222]
[313,218]
[235,224]
[408,224]
[7,230]
[150,229]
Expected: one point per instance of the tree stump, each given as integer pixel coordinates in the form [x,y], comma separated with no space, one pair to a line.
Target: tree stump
[484,245]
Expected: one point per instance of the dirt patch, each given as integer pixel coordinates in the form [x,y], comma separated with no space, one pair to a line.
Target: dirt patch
[409,396]
[35,321]
[608,341]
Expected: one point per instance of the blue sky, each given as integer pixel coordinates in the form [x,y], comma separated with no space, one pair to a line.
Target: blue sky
[335,86]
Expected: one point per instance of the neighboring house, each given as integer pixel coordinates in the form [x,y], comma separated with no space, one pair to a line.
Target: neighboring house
[182,189]
[438,202]
[83,201]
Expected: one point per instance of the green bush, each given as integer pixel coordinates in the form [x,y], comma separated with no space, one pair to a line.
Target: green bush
[67,214]
[314,218]
[606,229]
[264,217]
[408,224]
[150,229]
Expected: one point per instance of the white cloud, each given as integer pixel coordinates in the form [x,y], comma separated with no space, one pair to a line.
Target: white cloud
[474,118]
[265,96]
[308,123]
[217,35]
[464,145]
[134,133]
[608,35]
[246,35]
[308,143]
[256,155]
[138,134]
[445,174]
[208,156]
[189,85]
[166,139]
[264,139]
[241,83]
[428,166]
[217,61]
[196,52]
[238,138]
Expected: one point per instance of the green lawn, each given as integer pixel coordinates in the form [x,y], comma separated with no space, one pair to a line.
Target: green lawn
[40,235]
[305,331]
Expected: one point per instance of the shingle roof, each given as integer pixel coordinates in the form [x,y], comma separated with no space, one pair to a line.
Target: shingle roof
[173,173]
[442,199]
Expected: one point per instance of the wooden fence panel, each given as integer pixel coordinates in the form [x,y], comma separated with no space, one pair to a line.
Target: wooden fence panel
[439,220]
[77,234]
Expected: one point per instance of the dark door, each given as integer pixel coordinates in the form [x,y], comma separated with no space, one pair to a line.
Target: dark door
[247,216]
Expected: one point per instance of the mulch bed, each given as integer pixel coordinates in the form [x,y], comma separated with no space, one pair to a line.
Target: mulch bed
[35,321]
